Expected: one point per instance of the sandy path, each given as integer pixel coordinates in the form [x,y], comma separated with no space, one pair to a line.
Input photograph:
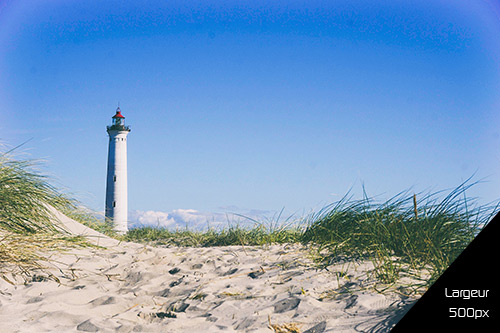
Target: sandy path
[133,288]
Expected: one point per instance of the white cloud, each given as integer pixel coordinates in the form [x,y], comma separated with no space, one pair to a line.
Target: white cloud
[193,219]
[178,218]
[150,218]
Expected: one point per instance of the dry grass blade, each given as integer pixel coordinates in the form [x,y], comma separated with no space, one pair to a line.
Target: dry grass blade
[25,196]
[284,328]
[26,222]
[23,254]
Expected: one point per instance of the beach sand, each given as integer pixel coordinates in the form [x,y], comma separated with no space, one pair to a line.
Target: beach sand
[128,287]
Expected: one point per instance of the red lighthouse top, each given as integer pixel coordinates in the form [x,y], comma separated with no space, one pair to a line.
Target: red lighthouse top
[118,113]
[118,122]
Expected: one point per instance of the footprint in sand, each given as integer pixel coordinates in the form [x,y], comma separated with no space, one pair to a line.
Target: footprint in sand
[34,300]
[87,326]
[318,328]
[174,270]
[245,323]
[230,272]
[104,300]
[286,305]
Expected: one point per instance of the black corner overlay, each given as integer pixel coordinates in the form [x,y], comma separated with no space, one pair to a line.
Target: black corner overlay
[465,298]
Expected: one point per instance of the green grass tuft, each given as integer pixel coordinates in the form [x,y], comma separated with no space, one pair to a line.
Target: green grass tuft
[234,235]
[425,233]
[26,222]
[25,196]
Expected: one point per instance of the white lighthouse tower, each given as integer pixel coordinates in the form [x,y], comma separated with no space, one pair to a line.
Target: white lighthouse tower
[116,182]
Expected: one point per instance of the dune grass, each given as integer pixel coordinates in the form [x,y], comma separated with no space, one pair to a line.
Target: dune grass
[262,233]
[25,196]
[409,232]
[26,228]
[233,235]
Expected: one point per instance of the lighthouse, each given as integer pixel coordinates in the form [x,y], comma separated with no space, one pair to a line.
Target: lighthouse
[116,182]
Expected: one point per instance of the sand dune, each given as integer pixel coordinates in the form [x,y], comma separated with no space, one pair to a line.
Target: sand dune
[128,287]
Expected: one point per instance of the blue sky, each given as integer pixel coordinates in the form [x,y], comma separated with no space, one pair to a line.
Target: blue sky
[250,107]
